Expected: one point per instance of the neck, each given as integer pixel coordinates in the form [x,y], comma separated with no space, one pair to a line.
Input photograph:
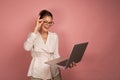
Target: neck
[43,32]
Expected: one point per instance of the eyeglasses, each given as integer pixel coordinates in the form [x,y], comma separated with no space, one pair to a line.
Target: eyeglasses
[49,23]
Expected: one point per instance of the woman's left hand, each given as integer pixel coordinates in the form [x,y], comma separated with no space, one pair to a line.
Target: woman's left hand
[72,64]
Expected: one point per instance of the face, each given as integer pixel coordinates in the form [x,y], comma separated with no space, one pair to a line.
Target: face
[47,23]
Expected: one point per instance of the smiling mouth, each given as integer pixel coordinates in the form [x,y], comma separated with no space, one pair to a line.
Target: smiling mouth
[46,27]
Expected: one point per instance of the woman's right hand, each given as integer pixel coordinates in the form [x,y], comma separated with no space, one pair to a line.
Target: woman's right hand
[38,24]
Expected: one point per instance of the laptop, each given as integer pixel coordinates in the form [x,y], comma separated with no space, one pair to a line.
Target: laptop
[75,56]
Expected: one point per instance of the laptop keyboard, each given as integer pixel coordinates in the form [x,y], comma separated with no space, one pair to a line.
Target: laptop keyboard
[62,63]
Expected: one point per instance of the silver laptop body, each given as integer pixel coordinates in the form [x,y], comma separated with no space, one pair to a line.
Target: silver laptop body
[75,56]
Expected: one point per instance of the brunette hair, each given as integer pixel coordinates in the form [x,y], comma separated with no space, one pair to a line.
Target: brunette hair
[44,13]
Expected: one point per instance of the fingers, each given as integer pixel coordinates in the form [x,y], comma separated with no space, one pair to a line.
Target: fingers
[39,20]
[39,23]
[72,64]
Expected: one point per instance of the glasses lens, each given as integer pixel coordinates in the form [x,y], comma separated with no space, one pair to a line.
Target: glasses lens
[50,23]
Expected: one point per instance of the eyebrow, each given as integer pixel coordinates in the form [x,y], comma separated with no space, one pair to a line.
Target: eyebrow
[48,21]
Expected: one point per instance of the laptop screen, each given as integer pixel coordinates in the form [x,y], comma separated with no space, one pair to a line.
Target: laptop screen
[77,53]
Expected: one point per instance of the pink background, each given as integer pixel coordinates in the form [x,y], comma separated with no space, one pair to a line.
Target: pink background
[76,21]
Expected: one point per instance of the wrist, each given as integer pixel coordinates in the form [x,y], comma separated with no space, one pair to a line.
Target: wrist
[35,30]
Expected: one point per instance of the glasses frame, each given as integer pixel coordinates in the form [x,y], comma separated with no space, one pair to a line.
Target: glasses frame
[49,23]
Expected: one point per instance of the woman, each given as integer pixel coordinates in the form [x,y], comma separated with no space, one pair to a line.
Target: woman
[44,47]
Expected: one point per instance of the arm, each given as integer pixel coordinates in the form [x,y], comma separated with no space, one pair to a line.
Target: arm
[28,44]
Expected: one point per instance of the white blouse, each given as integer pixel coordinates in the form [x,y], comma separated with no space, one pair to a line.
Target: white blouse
[42,52]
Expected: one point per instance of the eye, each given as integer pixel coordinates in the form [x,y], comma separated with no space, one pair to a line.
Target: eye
[50,22]
[45,21]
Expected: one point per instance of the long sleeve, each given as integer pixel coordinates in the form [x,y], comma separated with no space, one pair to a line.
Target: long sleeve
[28,44]
[56,52]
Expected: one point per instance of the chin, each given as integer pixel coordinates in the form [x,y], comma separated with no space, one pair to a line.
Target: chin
[45,30]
